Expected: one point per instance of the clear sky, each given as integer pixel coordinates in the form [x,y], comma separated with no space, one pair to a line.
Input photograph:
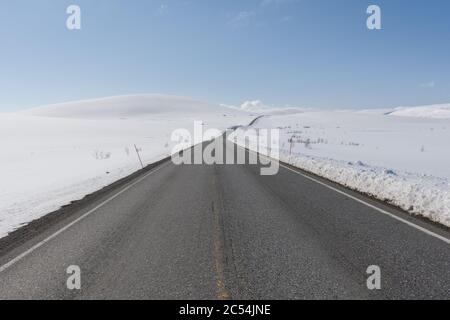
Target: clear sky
[310,53]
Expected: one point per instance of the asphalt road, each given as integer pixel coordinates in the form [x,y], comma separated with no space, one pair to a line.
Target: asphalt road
[226,232]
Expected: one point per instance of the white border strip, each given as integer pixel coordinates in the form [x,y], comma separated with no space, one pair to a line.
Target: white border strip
[57,233]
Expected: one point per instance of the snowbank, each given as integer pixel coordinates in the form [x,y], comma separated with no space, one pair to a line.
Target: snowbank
[53,155]
[400,160]
[422,195]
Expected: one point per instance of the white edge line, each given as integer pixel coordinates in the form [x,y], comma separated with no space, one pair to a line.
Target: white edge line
[57,233]
[409,223]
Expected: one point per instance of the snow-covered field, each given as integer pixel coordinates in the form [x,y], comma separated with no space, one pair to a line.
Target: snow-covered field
[53,155]
[401,156]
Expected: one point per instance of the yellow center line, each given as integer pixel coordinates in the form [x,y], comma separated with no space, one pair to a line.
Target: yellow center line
[222,292]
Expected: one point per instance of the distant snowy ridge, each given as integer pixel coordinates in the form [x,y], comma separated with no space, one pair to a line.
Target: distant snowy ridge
[438,111]
[131,106]
[257,108]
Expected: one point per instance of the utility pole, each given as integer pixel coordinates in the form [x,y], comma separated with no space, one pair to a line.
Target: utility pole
[140,160]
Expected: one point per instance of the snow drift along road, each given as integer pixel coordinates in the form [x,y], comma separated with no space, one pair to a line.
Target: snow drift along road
[400,159]
[56,154]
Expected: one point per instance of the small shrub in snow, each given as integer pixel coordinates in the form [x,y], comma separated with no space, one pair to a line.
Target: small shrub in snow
[389,172]
[100,155]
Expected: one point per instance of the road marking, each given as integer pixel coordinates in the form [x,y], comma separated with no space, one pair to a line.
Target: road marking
[40,244]
[409,223]
[222,292]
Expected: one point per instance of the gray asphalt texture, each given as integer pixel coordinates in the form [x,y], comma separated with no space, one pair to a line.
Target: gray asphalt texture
[226,232]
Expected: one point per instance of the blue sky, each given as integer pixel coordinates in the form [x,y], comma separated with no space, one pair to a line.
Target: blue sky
[311,53]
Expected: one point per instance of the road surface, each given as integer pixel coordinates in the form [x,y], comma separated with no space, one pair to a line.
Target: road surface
[226,232]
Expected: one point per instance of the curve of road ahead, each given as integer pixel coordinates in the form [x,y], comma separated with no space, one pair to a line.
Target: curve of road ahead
[226,232]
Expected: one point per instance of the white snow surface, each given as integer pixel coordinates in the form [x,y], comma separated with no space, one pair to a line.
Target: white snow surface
[126,107]
[258,108]
[51,156]
[401,160]
[439,111]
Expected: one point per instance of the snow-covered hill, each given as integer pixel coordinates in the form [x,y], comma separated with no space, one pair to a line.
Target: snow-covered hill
[53,155]
[132,106]
[439,111]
